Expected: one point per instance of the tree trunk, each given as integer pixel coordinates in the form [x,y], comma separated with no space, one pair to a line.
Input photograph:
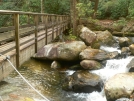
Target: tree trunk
[75,17]
[42,9]
[95,8]
[42,6]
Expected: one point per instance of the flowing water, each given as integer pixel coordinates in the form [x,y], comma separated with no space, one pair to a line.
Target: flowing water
[49,82]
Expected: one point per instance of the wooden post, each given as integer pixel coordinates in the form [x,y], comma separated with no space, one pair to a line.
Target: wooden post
[36,33]
[57,24]
[16,25]
[52,18]
[95,8]
[60,24]
[46,26]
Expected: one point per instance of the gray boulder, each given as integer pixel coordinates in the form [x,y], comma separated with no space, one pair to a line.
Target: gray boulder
[67,51]
[124,41]
[125,51]
[90,64]
[119,86]
[87,36]
[82,81]
[104,38]
[97,54]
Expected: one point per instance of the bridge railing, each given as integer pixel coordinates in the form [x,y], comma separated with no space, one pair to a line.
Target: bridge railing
[25,23]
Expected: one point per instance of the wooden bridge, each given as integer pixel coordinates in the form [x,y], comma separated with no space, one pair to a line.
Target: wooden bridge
[26,33]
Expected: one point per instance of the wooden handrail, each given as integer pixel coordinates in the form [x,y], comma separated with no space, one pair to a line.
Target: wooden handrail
[27,13]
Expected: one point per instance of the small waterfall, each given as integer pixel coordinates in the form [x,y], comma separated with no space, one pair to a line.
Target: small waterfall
[113,67]
[110,49]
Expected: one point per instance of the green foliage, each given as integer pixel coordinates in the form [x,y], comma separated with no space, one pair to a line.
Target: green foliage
[84,9]
[120,22]
[131,9]
[120,9]
[57,6]
[113,9]
[51,6]
[71,35]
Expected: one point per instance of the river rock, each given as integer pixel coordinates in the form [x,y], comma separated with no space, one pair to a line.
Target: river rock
[120,85]
[82,81]
[87,36]
[97,54]
[132,49]
[55,65]
[124,41]
[105,38]
[131,65]
[125,51]
[90,64]
[67,51]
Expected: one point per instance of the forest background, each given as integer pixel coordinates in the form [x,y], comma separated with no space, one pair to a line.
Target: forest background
[107,9]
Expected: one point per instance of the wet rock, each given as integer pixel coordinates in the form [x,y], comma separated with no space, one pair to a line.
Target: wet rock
[105,38]
[87,36]
[67,51]
[55,65]
[76,67]
[82,81]
[125,51]
[123,99]
[96,44]
[124,41]
[132,49]
[120,85]
[97,54]
[90,64]
[131,65]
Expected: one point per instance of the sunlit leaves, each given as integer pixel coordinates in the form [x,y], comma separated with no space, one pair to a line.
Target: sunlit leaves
[84,9]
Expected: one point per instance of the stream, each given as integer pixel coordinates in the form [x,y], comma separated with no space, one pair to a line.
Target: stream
[49,82]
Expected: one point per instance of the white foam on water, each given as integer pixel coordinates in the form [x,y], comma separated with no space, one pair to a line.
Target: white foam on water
[96,96]
[113,67]
[70,72]
[110,49]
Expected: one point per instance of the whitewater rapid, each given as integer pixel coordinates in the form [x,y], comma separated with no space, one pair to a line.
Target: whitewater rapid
[113,67]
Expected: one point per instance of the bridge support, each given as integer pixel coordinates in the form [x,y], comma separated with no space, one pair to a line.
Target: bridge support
[16,25]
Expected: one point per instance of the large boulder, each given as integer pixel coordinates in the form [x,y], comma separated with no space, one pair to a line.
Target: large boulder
[120,85]
[125,51]
[97,54]
[90,64]
[124,41]
[67,51]
[83,81]
[105,38]
[87,36]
